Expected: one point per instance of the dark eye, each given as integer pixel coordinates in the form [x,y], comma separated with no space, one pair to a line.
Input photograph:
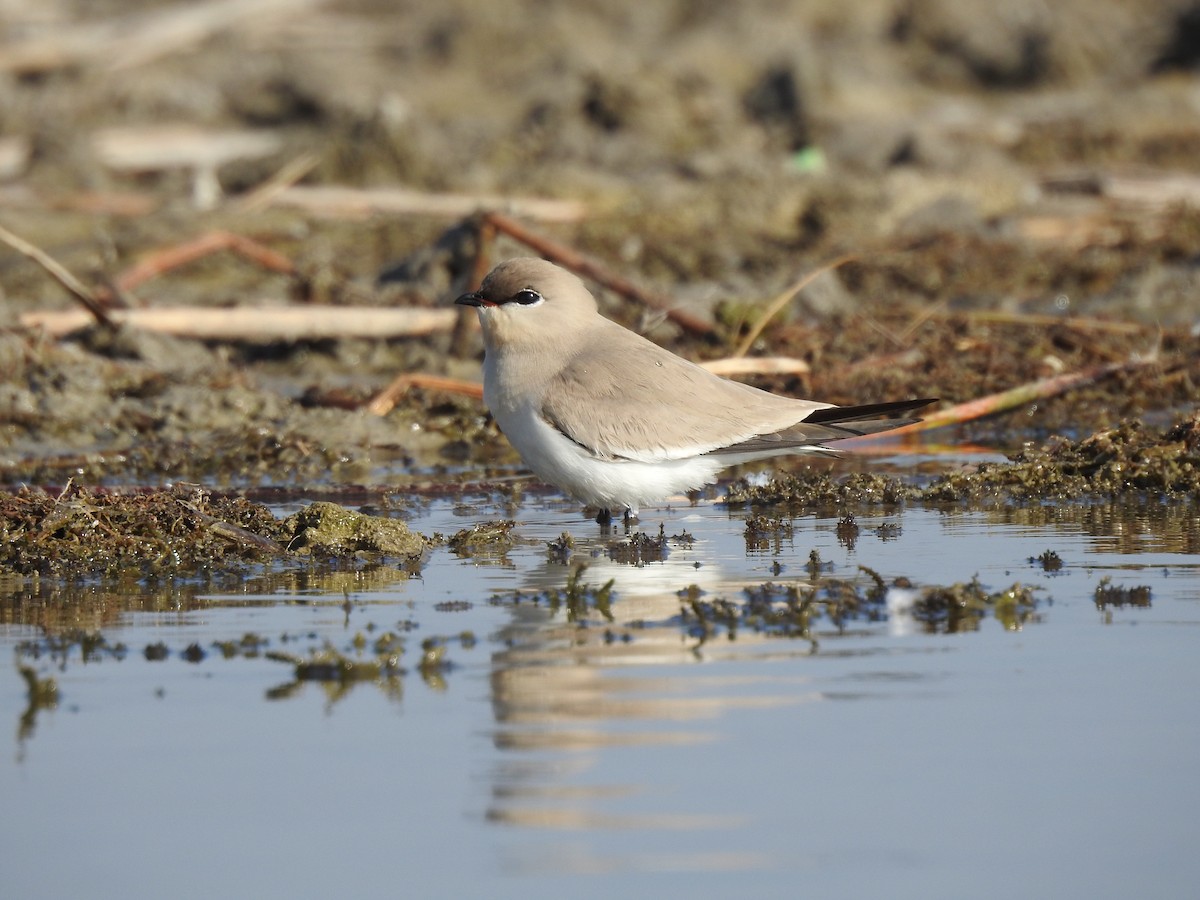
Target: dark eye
[527,297]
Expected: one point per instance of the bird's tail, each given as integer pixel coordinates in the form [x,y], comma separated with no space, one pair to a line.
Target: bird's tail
[830,423]
[870,418]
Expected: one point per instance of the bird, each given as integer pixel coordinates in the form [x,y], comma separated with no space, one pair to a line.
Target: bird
[615,420]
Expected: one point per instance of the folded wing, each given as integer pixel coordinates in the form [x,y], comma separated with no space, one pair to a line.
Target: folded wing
[644,403]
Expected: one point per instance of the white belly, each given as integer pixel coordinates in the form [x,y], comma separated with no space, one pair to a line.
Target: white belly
[608,484]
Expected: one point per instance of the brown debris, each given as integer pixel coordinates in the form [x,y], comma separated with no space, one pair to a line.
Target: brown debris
[92,533]
[89,532]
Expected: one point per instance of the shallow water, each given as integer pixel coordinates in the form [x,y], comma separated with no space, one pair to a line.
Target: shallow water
[564,751]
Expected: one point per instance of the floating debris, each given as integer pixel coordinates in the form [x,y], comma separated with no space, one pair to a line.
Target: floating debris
[367,659]
[494,538]
[640,548]
[1114,595]
[453,605]
[847,531]
[888,531]
[765,533]
[575,597]
[93,646]
[786,609]
[1050,561]
[559,550]
[42,692]
[329,664]
[434,665]
[961,607]
[248,646]
[194,653]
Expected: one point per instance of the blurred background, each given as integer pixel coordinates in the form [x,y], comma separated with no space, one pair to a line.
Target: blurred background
[708,140]
[1032,161]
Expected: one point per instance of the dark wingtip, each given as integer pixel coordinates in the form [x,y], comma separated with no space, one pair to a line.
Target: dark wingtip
[840,414]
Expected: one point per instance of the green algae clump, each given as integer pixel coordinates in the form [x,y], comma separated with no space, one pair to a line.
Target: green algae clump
[330,529]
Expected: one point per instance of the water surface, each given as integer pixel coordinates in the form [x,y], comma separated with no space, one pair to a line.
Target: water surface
[614,748]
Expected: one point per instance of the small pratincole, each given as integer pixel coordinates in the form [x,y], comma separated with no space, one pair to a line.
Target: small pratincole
[617,421]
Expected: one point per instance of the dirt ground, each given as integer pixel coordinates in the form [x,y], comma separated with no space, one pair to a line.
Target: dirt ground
[1018,184]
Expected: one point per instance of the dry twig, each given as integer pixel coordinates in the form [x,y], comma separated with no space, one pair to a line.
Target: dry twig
[128,41]
[59,273]
[276,323]
[360,203]
[383,402]
[160,261]
[288,175]
[783,299]
[756,365]
[1043,320]
[1004,401]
